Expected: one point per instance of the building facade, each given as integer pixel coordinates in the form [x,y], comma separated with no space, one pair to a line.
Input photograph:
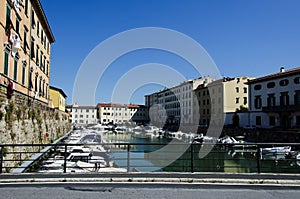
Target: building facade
[275,100]
[82,115]
[220,99]
[25,50]
[176,105]
[122,113]
[58,98]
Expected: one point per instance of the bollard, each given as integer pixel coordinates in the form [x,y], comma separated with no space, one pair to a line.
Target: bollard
[258,158]
[192,158]
[65,159]
[128,157]
[1,158]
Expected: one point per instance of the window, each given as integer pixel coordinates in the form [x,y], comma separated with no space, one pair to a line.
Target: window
[257,87]
[38,29]
[245,101]
[258,120]
[25,45]
[32,20]
[237,89]
[245,90]
[297,97]
[297,80]
[284,82]
[271,85]
[257,102]
[8,21]
[26,7]
[15,69]
[87,116]
[272,121]
[298,120]
[42,36]
[32,49]
[41,60]
[5,63]
[87,110]
[271,100]
[284,99]
[237,100]
[36,82]
[18,25]
[37,55]
[23,73]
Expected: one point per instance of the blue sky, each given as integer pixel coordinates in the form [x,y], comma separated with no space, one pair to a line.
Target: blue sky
[252,38]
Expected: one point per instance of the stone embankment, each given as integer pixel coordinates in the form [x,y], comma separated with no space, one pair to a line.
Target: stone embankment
[28,123]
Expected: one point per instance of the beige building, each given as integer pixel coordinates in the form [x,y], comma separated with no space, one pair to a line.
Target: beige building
[220,99]
[25,49]
[122,113]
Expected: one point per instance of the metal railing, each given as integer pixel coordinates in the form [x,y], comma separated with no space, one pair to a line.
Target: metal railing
[145,157]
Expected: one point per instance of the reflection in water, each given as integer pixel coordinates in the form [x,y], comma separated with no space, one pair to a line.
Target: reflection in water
[220,159]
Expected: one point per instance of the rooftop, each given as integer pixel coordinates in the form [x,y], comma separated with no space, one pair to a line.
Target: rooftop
[282,73]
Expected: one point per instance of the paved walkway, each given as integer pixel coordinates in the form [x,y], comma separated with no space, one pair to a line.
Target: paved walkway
[263,179]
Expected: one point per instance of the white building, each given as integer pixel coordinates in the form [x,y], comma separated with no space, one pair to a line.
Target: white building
[174,106]
[275,100]
[82,115]
[122,113]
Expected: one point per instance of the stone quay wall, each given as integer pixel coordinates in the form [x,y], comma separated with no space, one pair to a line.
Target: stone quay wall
[24,120]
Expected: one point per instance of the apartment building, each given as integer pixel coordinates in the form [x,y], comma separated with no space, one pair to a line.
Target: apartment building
[58,98]
[220,99]
[275,100]
[25,50]
[122,113]
[82,115]
[174,106]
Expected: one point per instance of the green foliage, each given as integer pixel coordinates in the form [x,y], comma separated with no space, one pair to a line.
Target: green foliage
[242,109]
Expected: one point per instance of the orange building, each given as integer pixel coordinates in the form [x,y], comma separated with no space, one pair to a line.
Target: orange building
[25,49]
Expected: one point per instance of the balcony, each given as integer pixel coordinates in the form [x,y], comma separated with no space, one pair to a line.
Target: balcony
[288,108]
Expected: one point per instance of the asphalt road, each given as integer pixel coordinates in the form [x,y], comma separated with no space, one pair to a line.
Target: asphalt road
[144,190]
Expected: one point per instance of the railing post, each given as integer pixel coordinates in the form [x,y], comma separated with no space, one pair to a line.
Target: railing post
[192,157]
[128,157]
[1,158]
[65,159]
[258,158]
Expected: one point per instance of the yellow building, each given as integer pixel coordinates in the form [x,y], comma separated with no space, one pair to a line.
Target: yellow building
[25,49]
[58,98]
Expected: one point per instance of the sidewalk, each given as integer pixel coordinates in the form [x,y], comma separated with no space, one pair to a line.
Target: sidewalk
[161,177]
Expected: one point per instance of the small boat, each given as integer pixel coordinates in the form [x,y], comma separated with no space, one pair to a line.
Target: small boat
[276,150]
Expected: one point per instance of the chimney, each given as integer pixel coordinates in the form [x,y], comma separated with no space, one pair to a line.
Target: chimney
[282,69]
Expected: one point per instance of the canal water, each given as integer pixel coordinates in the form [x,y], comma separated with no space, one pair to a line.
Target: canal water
[146,157]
